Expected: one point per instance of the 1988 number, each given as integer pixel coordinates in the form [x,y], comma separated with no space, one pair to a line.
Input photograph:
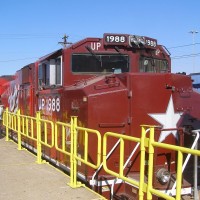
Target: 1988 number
[115,38]
[50,104]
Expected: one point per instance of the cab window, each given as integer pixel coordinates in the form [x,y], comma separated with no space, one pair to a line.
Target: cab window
[153,65]
[50,72]
[98,64]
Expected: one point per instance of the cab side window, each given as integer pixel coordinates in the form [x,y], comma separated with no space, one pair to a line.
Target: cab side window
[153,65]
[44,74]
[50,72]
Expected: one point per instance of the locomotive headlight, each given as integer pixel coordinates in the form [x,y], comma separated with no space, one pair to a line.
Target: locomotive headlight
[84,99]
[163,176]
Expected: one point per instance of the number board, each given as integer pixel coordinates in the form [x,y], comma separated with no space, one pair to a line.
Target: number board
[150,42]
[141,41]
[115,39]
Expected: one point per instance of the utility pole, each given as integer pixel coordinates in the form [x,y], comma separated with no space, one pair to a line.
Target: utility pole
[64,43]
[196,196]
[193,32]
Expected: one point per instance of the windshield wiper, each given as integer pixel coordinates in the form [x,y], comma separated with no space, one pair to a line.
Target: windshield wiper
[119,52]
[93,54]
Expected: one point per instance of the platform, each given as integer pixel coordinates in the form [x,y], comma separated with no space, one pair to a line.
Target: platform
[22,178]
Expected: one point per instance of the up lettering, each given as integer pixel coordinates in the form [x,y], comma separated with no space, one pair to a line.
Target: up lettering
[95,46]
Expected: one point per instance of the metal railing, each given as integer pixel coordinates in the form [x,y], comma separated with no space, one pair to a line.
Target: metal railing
[64,136]
[24,126]
[120,174]
[74,157]
[180,150]
[49,134]
[147,143]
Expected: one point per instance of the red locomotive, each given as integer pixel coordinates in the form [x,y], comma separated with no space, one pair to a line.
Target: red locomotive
[114,83]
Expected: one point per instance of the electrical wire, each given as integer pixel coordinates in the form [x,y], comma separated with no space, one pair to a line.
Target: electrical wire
[20,36]
[185,45]
[4,61]
[186,56]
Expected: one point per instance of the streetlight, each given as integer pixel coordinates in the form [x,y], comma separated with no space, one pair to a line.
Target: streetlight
[193,32]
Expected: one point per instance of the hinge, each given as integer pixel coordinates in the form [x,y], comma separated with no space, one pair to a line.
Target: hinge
[130,94]
[129,120]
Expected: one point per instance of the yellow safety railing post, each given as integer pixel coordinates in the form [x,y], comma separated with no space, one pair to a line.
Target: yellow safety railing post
[19,131]
[120,174]
[39,145]
[121,164]
[142,164]
[76,183]
[179,175]
[86,146]
[75,150]
[150,164]
[72,154]
[7,133]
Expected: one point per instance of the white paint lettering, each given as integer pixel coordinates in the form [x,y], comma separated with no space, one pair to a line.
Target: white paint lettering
[43,104]
[95,46]
[50,104]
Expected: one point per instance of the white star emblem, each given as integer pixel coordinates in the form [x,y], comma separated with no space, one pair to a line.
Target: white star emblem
[168,120]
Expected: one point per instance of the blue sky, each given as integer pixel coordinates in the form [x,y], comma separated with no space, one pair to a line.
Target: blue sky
[32,28]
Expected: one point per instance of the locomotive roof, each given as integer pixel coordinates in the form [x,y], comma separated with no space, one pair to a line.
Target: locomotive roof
[51,55]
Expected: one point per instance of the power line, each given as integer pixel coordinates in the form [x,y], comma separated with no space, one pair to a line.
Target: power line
[186,45]
[185,56]
[27,36]
[18,59]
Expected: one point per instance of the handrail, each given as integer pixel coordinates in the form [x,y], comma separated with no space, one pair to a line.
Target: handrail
[126,163]
[84,160]
[180,151]
[74,131]
[9,122]
[20,124]
[121,157]
[101,165]
[24,125]
[186,161]
[64,127]
[196,196]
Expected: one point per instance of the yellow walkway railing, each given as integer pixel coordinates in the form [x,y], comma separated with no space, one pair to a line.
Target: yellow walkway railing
[73,128]
[120,174]
[147,144]
[24,126]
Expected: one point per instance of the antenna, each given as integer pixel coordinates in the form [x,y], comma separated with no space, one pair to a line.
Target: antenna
[64,43]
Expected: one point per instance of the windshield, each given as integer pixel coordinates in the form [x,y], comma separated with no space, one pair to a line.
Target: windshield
[153,65]
[196,80]
[108,63]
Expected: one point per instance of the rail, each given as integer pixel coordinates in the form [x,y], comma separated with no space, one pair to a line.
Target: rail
[30,127]
[92,182]
[9,121]
[60,136]
[24,126]
[196,132]
[148,144]
[74,158]
[120,174]
[180,150]
[127,161]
